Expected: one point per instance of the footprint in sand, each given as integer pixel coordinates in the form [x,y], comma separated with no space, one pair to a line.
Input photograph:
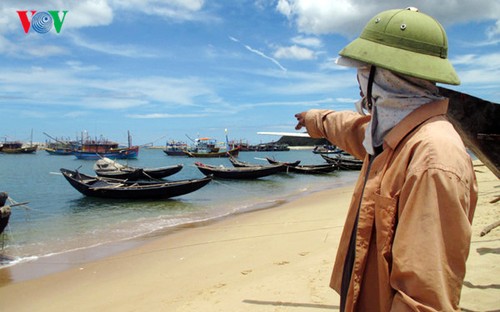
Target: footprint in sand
[282,263]
[246,272]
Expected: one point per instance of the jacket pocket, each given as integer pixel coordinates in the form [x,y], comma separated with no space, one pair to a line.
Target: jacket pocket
[385,222]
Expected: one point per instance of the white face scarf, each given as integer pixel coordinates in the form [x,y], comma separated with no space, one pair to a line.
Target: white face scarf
[394,96]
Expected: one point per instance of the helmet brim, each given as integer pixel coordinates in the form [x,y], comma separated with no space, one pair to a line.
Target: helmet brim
[402,61]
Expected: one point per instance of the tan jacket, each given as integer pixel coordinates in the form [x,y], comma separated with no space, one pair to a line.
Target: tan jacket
[418,201]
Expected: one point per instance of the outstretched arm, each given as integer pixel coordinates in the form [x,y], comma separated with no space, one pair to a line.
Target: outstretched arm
[346,129]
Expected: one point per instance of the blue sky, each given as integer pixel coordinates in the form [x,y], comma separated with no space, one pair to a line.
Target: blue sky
[167,69]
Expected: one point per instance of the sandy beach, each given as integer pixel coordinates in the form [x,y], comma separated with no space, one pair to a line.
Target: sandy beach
[278,259]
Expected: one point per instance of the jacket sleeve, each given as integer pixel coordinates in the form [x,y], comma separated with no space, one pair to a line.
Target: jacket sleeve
[434,227]
[346,129]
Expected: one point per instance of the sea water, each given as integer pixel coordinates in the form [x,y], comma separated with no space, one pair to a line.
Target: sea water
[59,219]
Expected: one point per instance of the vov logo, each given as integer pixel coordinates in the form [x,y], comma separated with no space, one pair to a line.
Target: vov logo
[42,22]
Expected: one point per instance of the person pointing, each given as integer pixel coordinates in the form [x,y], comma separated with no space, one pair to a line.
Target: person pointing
[407,234]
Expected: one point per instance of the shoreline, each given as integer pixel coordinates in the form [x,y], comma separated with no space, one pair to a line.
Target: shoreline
[278,258]
[40,266]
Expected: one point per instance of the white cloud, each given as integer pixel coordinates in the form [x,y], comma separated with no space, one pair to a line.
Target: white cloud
[348,17]
[41,86]
[112,48]
[463,59]
[284,8]
[179,5]
[479,73]
[494,31]
[294,52]
[176,10]
[319,102]
[88,13]
[311,42]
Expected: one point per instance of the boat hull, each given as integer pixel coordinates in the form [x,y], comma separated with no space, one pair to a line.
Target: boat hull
[132,174]
[59,152]
[233,152]
[344,163]
[239,172]
[126,153]
[305,169]
[120,189]
[20,150]
[174,153]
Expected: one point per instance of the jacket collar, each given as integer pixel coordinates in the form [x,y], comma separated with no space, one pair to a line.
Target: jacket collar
[413,120]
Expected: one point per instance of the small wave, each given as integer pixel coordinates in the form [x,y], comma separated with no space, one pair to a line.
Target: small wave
[6,261]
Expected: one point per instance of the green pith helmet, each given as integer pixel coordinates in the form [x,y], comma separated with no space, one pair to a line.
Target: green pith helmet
[407,42]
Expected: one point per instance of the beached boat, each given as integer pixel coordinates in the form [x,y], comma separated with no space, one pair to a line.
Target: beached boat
[106,167]
[344,162]
[16,147]
[305,169]
[5,211]
[239,172]
[123,189]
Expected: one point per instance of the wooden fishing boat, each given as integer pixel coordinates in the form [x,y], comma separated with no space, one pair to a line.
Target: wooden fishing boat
[161,172]
[476,120]
[232,152]
[242,164]
[123,189]
[313,169]
[16,147]
[238,163]
[288,164]
[305,169]
[106,167]
[344,162]
[131,174]
[239,172]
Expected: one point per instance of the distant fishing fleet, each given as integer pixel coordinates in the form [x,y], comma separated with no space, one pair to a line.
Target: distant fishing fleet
[96,148]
